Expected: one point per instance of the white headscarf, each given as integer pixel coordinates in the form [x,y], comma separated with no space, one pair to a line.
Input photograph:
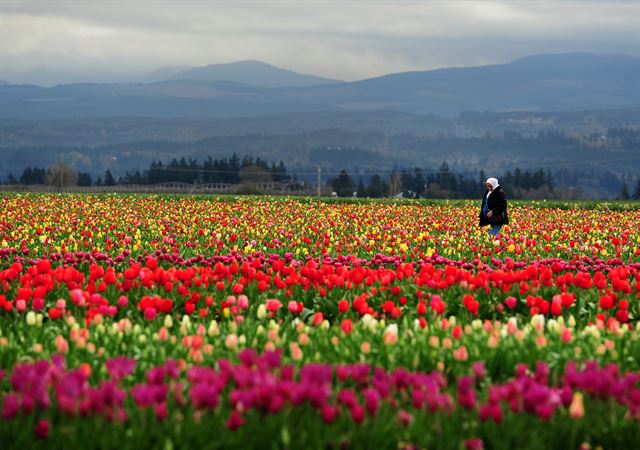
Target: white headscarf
[493,182]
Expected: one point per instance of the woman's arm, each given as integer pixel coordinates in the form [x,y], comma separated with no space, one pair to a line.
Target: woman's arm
[501,203]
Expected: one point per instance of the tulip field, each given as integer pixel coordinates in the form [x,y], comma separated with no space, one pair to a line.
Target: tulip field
[169,322]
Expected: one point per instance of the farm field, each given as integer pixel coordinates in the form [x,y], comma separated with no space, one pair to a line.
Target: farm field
[257,322]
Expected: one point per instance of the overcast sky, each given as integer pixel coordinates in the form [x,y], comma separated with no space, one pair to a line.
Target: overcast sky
[102,40]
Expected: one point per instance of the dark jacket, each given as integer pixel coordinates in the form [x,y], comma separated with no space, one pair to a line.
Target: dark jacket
[497,204]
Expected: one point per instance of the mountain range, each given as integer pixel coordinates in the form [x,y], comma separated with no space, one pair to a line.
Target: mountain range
[552,82]
[249,72]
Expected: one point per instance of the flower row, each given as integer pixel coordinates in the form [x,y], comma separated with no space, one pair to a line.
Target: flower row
[38,225]
[356,394]
[448,344]
[239,288]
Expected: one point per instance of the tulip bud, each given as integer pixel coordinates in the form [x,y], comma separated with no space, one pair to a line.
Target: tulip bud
[576,410]
[62,346]
[561,320]
[296,351]
[231,341]
[168,321]
[31,318]
[262,311]
[390,336]
[213,330]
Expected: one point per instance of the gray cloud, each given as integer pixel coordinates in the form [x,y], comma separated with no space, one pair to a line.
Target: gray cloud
[101,40]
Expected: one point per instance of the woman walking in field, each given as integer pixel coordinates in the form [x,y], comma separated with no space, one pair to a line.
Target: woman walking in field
[494,208]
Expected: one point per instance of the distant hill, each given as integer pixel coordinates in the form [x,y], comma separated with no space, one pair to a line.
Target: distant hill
[250,72]
[561,82]
[163,73]
[571,81]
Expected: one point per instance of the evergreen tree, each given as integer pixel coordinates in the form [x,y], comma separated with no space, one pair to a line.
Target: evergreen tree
[194,171]
[407,181]
[377,188]
[173,172]
[282,172]
[222,172]
[26,176]
[624,194]
[208,168]
[418,185]
[233,169]
[518,178]
[156,173]
[108,179]
[133,178]
[636,194]
[343,184]
[361,190]
[84,179]
[482,178]
[247,161]
[445,179]
[33,176]
[182,174]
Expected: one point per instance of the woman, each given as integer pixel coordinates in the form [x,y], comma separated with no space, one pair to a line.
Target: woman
[494,208]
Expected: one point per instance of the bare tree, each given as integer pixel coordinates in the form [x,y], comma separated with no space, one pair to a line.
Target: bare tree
[254,174]
[250,177]
[395,184]
[61,175]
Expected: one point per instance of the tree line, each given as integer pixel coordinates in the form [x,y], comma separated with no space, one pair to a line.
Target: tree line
[414,183]
[444,183]
[233,170]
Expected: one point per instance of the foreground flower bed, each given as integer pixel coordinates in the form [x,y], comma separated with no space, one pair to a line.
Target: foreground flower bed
[319,405]
[182,322]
